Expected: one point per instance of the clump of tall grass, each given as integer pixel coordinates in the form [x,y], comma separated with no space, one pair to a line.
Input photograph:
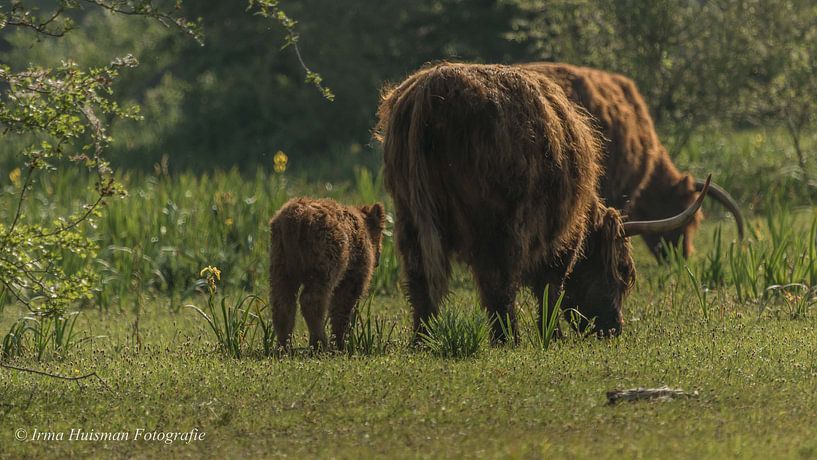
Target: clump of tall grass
[543,325]
[14,342]
[673,264]
[713,271]
[454,333]
[543,328]
[746,272]
[701,293]
[233,326]
[368,335]
[268,338]
[798,299]
[42,332]
[760,268]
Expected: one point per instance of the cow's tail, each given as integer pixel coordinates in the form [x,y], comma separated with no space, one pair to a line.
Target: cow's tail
[435,260]
[413,179]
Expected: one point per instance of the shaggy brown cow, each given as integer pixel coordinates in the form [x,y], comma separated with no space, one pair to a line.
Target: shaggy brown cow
[493,164]
[639,177]
[329,249]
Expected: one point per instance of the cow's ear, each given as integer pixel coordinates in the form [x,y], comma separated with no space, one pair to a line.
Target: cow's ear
[686,184]
[616,251]
[375,215]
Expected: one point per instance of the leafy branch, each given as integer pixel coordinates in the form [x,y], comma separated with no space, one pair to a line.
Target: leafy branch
[271,9]
[59,112]
[57,24]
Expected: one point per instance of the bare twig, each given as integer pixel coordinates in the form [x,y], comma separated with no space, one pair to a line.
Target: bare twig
[794,130]
[20,298]
[89,209]
[60,377]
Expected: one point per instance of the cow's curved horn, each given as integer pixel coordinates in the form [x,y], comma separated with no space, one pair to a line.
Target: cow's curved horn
[723,197]
[642,227]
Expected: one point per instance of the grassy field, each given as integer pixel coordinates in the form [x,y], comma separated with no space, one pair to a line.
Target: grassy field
[739,327]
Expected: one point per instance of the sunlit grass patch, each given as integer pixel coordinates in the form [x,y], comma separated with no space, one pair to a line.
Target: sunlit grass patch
[455,332]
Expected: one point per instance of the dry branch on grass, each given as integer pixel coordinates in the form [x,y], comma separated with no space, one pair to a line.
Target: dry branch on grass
[76,379]
[640,393]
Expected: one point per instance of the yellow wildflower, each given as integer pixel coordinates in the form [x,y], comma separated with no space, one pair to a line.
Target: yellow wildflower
[280,161]
[228,221]
[210,270]
[15,176]
[213,274]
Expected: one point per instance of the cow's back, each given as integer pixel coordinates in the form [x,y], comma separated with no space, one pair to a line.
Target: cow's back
[629,140]
[497,153]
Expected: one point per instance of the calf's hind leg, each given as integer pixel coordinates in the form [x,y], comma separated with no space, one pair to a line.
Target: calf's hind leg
[314,304]
[345,297]
[283,300]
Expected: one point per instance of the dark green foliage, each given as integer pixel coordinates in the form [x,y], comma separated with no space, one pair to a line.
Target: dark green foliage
[240,98]
[697,63]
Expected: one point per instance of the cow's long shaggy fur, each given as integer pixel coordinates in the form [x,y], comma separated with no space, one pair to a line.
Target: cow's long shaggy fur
[640,178]
[494,164]
[329,249]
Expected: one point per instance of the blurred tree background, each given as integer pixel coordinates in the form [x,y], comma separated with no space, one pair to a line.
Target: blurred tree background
[239,98]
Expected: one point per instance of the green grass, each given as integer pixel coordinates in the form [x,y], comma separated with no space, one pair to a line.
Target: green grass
[755,378]
[455,332]
[369,334]
[754,369]
[153,243]
[738,324]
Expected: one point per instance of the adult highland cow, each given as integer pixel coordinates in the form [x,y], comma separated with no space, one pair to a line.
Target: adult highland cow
[639,177]
[493,164]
